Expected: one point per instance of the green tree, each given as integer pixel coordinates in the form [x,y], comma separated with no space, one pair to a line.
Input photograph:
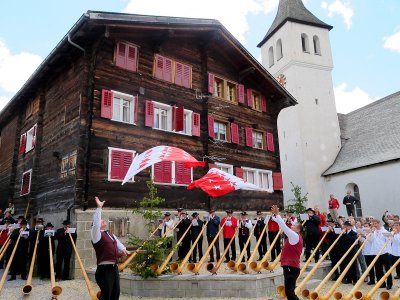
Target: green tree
[298,204]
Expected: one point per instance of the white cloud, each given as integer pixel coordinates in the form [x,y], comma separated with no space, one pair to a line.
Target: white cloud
[15,69]
[349,100]
[392,42]
[3,101]
[232,15]
[341,8]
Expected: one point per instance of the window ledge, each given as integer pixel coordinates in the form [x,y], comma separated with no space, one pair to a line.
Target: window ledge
[171,184]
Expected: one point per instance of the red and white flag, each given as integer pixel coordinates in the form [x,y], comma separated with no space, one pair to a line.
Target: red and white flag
[155,155]
[217,183]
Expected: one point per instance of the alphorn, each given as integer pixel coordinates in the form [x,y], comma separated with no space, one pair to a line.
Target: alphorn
[342,275]
[177,268]
[350,295]
[242,266]
[55,289]
[210,266]
[195,268]
[160,269]
[92,293]
[28,286]
[234,265]
[272,265]
[368,296]
[4,248]
[264,263]
[3,279]
[306,293]
[123,265]
[303,269]
[387,296]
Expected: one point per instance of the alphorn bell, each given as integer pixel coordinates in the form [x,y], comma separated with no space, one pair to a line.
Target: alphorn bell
[28,286]
[242,266]
[55,289]
[177,268]
[387,296]
[210,266]
[160,269]
[194,268]
[3,279]
[264,263]
[92,293]
[234,265]
[314,295]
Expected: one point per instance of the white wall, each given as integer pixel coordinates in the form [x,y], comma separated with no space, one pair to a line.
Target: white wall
[378,185]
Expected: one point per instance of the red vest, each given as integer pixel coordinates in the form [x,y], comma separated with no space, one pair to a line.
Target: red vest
[290,256]
[106,249]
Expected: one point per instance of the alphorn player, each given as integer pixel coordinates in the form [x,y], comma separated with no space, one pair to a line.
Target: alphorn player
[291,252]
[107,248]
[20,260]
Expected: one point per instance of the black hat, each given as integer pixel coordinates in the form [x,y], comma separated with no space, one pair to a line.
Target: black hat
[66,222]
[167,214]
[347,223]
[40,220]
[184,212]
[229,211]
[23,222]
[49,225]
[20,217]
[310,209]
[179,209]
[330,220]
[195,214]
[259,212]
[244,213]
[7,220]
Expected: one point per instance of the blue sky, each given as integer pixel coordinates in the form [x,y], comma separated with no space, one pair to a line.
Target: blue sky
[365,39]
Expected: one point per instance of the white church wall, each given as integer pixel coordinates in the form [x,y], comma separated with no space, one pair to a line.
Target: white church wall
[378,186]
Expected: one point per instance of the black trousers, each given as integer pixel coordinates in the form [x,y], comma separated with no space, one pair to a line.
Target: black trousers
[262,248]
[19,264]
[368,260]
[394,259]
[198,247]
[383,262]
[242,240]
[276,250]
[184,248]
[311,243]
[62,258]
[216,245]
[233,249]
[350,210]
[290,275]
[107,278]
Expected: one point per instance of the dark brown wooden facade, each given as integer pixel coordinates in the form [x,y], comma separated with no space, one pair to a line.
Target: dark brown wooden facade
[63,99]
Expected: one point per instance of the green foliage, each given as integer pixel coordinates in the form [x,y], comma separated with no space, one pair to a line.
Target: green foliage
[298,204]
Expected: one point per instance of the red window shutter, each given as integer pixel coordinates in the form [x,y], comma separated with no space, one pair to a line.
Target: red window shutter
[239,172]
[120,59]
[26,183]
[34,136]
[168,70]
[22,144]
[187,75]
[249,98]
[277,179]
[234,133]
[179,118]
[195,124]
[157,172]
[263,104]
[131,60]
[167,171]
[240,89]
[159,67]
[270,142]
[211,83]
[116,166]
[149,113]
[126,163]
[106,104]
[135,108]
[183,175]
[249,136]
[173,117]
[178,74]
[210,126]
[211,165]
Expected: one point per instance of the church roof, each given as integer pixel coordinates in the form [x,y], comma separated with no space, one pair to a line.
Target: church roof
[370,135]
[294,11]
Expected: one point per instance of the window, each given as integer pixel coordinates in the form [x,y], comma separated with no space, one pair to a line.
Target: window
[220,131]
[317,47]
[126,56]
[172,172]
[68,164]
[271,56]
[258,177]
[257,101]
[231,91]
[258,140]
[171,71]
[162,117]
[26,182]
[304,43]
[279,51]
[227,90]
[224,167]
[119,161]
[119,106]
[28,140]
[219,88]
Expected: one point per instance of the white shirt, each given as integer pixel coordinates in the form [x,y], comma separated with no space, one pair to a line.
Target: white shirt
[292,236]
[167,230]
[378,240]
[396,245]
[367,250]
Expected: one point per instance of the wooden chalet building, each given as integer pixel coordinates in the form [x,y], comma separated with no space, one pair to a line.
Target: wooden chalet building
[118,84]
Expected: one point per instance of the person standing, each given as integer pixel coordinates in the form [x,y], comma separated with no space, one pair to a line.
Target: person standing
[367,251]
[245,226]
[20,259]
[346,240]
[64,251]
[312,233]
[231,223]
[350,201]
[212,231]
[107,248]
[3,238]
[291,252]
[43,252]
[290,219]
[260,225]
[167,228]
[396,247]
[184,223]
[10,209]
[273,230]
[333,205]
[331,237]
[197,226]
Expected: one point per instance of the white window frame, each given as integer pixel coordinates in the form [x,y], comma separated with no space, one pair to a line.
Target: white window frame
[168,108]
[221,165]
[172,176]
[257,173]
[22,182]
[254,139]
[109,164]
[188,123]
[126,97]
[29,139]
[216,136]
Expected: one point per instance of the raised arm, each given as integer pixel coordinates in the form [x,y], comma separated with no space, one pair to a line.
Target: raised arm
[292,236]
[95,232]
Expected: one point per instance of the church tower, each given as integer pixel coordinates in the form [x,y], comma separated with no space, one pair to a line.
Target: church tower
[296,50]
